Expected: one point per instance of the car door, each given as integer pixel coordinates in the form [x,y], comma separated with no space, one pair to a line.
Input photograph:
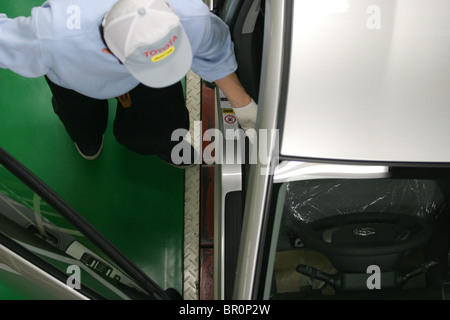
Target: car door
[245,19]
[358,94]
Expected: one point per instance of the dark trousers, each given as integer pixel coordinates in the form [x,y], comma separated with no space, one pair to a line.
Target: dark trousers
[146,127]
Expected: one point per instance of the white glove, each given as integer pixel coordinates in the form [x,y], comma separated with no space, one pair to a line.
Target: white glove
[247,115]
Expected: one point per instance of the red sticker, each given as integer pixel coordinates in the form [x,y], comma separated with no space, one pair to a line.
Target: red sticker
[230,119]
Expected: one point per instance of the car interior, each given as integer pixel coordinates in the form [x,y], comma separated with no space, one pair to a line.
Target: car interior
[363,239]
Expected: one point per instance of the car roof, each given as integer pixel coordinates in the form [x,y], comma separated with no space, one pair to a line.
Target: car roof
[368,82]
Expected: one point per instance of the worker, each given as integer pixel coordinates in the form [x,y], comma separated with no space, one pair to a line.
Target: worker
[136,51]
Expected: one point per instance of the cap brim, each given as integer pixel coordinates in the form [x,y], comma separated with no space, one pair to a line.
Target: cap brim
[167,70]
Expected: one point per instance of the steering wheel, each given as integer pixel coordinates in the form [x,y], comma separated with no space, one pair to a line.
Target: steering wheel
[354,241]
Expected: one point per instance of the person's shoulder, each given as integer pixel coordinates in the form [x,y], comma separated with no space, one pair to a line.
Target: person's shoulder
[91,5]
[186,9]
[66,18]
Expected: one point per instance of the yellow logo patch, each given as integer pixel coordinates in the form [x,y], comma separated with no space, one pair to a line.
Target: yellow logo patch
[163,55]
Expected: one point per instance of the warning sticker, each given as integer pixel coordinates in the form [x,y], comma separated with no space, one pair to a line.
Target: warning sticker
[227,111]
[230,119]
[230,122]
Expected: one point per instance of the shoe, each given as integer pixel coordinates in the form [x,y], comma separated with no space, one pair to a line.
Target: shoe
[88,151]
[167,157]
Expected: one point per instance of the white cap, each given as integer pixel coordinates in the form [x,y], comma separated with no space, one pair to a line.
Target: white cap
[148,38]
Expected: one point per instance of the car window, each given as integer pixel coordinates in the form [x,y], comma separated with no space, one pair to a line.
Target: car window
[37,226]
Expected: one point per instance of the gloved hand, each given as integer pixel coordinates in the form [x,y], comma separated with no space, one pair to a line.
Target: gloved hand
[247,115]
[247,119]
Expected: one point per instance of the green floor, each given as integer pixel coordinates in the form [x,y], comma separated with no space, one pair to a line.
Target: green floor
[135,201]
